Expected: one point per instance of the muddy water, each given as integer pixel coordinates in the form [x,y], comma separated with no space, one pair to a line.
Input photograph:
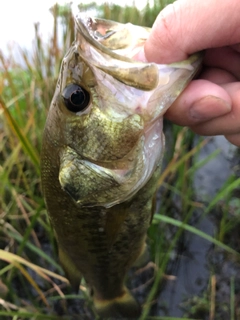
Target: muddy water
[196,257]
[191,271]
[211,177]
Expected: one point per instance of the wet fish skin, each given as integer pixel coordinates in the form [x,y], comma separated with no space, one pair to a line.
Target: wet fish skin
[101,162]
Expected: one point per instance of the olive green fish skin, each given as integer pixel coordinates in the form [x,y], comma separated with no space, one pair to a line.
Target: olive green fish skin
[103,243]
[87,234]
[100,166]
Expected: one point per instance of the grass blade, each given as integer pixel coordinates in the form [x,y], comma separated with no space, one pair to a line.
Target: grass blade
[11,257]
[27,146]
[187,227]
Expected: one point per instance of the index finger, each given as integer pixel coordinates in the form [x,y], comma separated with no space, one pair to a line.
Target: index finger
[188,26]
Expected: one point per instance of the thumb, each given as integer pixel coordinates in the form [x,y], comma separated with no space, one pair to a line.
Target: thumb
[188,26]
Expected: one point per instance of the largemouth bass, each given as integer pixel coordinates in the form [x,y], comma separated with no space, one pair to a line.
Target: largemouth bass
[101,156]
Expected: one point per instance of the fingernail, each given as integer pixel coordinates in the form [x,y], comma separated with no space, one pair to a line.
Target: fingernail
[208,108]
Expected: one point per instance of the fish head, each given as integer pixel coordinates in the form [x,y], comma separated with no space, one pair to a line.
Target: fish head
[106,114]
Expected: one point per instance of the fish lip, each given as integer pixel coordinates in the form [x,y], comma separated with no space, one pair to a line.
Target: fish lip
[82,25]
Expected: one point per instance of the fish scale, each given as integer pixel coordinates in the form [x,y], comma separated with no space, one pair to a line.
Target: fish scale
[101,156]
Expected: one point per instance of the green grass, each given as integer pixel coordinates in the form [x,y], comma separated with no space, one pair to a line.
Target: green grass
[28,256]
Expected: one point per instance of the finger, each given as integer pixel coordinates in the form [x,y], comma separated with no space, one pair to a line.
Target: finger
[227,124]
[217,76]
[187,26]
[199,102]
[225,58]
[234,139]
[236,47]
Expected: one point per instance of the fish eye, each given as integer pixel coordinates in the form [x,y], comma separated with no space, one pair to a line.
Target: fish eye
[75,98]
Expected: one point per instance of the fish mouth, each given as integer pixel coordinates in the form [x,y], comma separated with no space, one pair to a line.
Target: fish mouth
[114,41]
[96,30]
[109,46]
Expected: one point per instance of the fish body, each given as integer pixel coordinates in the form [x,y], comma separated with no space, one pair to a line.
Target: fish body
[101,156]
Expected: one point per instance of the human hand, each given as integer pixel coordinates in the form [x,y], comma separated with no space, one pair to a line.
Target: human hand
[210,105]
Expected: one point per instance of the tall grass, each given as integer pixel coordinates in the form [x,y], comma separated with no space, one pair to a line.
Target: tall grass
[31,279]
